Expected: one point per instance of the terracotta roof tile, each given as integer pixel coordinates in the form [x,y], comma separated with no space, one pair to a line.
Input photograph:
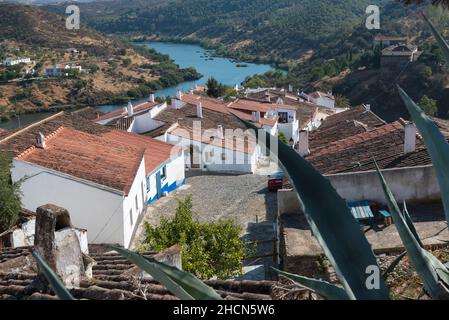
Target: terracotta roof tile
[120,112]
[342,125]
[79,147]
[355,153]
[112,281]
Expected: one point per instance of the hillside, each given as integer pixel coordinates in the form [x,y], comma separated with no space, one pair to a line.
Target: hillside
[252,29]
[324,44]
[113,71]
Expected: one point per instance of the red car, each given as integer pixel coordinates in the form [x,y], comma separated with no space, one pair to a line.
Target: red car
[276,181]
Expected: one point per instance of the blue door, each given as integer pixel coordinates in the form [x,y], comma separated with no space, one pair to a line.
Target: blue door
[158,184]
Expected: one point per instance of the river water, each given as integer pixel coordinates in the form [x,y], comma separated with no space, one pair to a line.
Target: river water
[224,70]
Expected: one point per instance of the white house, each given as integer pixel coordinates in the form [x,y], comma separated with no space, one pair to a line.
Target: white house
[105,179]
[212,137]
[12,62]
[322,99]
[61,70]
[137,119]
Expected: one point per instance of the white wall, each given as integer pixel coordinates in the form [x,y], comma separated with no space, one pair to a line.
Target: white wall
[98,210]
[415,184]
[134,208]
[175,171]
[325,102]
[236,161]
[409,184]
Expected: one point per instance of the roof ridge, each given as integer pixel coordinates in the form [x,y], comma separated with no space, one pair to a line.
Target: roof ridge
[33,147]
[31,126]
[339,143]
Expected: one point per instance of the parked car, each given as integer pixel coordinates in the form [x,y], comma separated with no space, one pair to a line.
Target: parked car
[276,181]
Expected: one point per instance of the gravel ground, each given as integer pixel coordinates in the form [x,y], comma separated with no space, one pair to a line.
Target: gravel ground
[243,198]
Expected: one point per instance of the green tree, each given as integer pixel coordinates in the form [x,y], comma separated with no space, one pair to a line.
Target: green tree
[10,195]
[209,250]
[429,105]
[341,101]
[214,88]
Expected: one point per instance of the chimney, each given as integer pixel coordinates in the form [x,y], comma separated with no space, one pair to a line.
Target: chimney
[290,88]
[303,143]
[256,116]
[179,95]
[152,97]
[267,97]
[58,244]
[40,141]
[220,132]
[199,109]
[253,117]
[409,137]
[130,109]
[367,107]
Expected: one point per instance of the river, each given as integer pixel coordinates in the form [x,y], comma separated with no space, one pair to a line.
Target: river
[224,70]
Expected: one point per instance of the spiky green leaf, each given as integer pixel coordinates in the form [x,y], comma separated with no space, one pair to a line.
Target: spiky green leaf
[331,221]
[182,284]
[323,288]
[58,287]
[426,266]
[436,144]
[410,224]
[393,264]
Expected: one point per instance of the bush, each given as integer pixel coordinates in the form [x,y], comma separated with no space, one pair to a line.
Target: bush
[428,105]
[10,202]
[209,249]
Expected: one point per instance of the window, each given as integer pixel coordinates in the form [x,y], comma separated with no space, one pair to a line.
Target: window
[131,216]
[223,156]
[164,173]
[143,194]
[283,117]
[137,204]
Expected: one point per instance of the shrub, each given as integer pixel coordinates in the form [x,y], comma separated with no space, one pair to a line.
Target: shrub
[210,249]
[428,105]
[10,202]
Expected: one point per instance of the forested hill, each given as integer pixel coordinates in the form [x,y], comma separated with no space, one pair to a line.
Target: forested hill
[264,28]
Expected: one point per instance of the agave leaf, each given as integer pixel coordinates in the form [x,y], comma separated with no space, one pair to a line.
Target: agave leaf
[410,224]
[59,288]
[441,41]
[331,221]
[424,263]
[393,264]
[436,144]
[182,284]
[323,288]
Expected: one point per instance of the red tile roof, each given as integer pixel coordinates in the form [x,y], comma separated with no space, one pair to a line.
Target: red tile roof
[222,107]
[355,153]
[342,125]
[251,105]
[89,157]
[121,112]
[81,148]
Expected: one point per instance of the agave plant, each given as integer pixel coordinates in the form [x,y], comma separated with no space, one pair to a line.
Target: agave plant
[433,273]
[60,290]
[333,225]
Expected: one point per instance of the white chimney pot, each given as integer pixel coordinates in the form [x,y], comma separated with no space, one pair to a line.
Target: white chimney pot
[409,137]
[199,109]
[130,109]
[303,143]
[40,141]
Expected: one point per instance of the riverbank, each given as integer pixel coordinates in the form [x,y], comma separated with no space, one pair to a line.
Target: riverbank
[220,50]
[177,56]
